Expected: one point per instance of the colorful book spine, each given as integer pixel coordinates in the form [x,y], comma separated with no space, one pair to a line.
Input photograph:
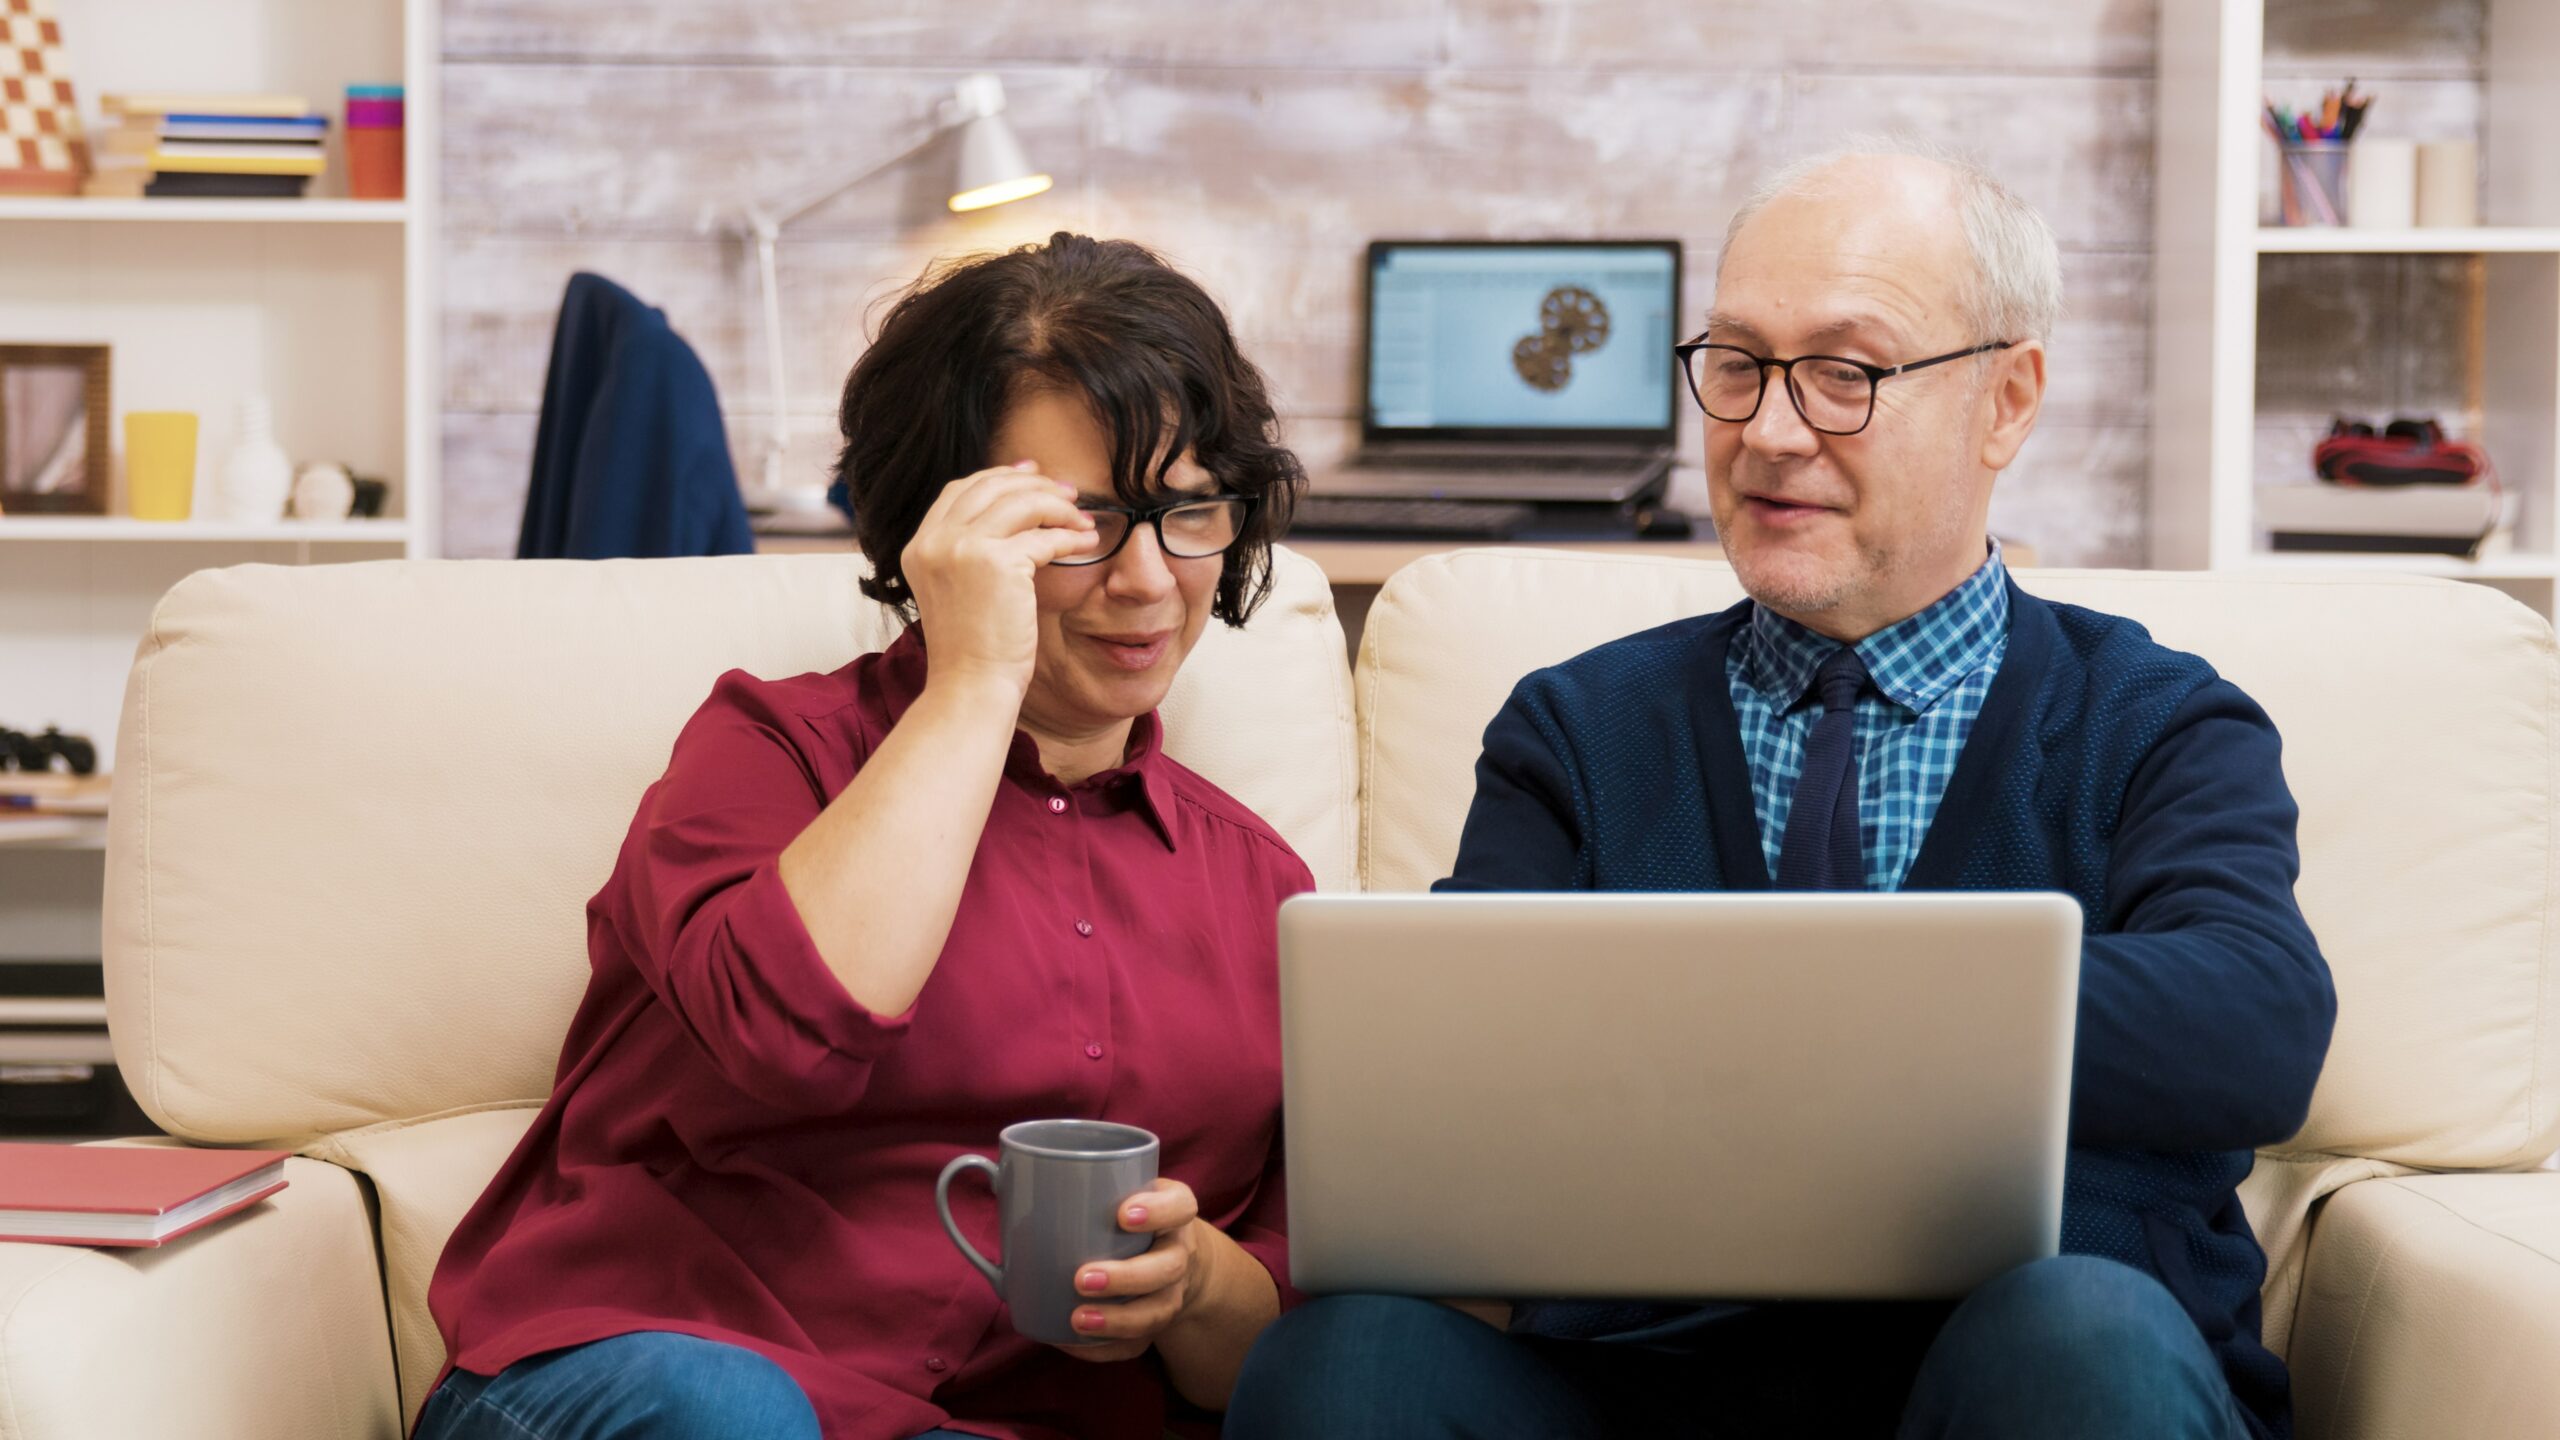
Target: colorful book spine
[179,157]
[315,124]
[228,187]
[243,134]
[290,107]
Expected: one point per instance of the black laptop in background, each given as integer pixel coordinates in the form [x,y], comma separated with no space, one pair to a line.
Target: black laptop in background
[1509,388]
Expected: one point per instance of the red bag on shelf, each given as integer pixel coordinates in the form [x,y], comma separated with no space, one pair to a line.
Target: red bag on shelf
[2407,452]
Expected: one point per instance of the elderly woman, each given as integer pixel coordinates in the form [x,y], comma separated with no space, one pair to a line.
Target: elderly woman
[867,918]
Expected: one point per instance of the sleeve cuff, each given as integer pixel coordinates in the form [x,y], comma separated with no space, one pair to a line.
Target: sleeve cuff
[766,925]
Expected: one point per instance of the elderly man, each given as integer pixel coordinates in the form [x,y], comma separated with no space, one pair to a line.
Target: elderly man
[1890,711]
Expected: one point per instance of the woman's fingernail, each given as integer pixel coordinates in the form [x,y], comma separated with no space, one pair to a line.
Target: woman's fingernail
[1090,1280]
[1137,1216]
[1026,464]
[1088,1319]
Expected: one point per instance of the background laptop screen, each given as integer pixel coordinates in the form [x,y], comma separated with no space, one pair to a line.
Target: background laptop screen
[1534,338]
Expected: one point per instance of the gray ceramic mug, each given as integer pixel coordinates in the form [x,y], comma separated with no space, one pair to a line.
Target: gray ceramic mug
[1059,1190]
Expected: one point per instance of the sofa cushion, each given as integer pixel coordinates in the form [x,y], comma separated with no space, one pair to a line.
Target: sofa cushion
[360,808]
[2418,718]
[425,1175]
[2431,1306]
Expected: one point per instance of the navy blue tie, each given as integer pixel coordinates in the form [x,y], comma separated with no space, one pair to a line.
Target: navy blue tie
[1821,849]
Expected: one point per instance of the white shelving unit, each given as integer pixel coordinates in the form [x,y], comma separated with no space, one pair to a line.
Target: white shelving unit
[2310,240]
[28,529]
[324,305]
[2207,254]
[317,210]
[53,832]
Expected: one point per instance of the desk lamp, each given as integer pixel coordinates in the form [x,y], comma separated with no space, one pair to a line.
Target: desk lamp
[992,170]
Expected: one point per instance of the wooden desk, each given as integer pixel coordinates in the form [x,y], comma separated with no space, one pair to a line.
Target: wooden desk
[1370,562]
[1344,562]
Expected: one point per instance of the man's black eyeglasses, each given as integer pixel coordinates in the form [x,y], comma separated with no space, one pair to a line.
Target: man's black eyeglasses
[1835,394]
[1189,527]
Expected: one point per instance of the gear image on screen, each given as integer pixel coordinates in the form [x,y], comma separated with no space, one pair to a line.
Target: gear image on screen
[1523,336]
[1571,321]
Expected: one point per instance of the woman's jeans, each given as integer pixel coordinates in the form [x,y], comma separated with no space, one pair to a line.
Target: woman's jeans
[650,1385]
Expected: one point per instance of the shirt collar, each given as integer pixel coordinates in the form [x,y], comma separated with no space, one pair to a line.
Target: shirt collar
[1144,774]
[1914,661]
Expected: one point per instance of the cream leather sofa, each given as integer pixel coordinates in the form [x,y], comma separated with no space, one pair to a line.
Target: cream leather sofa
[360,808]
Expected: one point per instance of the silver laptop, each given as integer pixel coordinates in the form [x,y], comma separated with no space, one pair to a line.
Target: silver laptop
[1519,371]
[1675,1097]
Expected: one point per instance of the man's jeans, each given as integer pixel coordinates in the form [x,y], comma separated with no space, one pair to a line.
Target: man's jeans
[2072,1346]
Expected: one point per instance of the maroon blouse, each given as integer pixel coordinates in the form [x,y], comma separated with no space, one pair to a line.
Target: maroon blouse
[735,1149]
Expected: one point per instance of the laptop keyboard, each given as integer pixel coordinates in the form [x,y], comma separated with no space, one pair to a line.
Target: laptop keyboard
[1381,516]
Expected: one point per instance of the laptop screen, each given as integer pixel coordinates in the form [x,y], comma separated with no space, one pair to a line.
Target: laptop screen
[1500,339]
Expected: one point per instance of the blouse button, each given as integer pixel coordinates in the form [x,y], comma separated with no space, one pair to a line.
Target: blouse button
[1084,927]
[1093,1052]
[1057,804]
[935,1365]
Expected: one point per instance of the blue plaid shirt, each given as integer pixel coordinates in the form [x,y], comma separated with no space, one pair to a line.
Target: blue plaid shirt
[1933,670]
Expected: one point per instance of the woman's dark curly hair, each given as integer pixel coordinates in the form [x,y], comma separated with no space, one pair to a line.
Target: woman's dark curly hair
[1146,347]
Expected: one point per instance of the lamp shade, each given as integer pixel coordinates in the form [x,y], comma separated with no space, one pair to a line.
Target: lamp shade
[992,168]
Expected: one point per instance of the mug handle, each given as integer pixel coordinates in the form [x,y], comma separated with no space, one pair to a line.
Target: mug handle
[942,1203]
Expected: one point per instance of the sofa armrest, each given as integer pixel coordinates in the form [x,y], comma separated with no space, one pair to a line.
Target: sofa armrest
[269,1324]
[2431,1306]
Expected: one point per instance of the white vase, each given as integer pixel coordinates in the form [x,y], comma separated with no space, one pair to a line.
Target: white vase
[257,477]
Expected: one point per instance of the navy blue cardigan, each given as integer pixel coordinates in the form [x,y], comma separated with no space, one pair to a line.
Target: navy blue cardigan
[2104,765]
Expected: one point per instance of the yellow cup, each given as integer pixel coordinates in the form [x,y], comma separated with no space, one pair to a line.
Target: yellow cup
[160,464]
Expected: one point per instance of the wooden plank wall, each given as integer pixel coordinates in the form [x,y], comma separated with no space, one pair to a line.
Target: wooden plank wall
[1260,143]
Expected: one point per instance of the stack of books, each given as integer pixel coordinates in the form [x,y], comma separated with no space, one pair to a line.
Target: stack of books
[263,146]
[50,792]
[46,808]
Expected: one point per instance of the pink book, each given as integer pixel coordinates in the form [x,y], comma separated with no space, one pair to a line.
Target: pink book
[127,1194]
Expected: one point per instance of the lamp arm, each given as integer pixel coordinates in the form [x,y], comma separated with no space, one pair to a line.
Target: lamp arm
[978,95]
[784,212]
[764,226]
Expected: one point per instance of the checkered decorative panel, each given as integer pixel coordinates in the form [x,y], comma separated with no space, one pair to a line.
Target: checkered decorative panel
[41,149]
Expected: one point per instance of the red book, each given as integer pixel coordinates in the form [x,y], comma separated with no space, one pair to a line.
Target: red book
[127,1194]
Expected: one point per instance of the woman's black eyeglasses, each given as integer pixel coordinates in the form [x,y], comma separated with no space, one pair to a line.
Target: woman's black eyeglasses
[1835,395]
[1189,527]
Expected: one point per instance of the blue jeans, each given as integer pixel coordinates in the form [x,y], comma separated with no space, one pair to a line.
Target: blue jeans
[651,1385]
[2073,1346]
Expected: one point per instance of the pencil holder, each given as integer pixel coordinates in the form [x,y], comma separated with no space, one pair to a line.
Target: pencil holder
[2313,181]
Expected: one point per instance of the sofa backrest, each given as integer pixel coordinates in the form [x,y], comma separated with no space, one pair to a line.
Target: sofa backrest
[359,809]
[2418,719]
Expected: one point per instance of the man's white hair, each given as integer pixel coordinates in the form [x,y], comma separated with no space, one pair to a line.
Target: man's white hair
[2015,292]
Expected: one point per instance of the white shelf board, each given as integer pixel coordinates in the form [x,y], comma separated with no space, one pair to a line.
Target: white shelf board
[57,1012]
[276,212]
[122,528]
[2494,567]
[54,832]
[2486,240]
